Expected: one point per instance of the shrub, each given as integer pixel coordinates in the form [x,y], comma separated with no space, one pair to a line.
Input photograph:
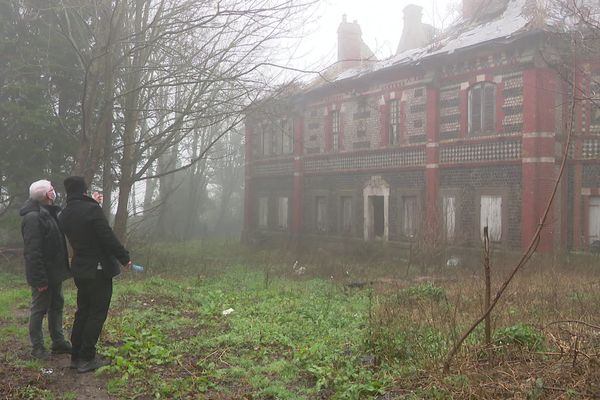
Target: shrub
[520,335]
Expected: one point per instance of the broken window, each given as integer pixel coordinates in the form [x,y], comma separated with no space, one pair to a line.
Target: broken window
[594,219]
[449,211]
[282,212]
[482,108]
[346,207]
[263,211]
[394,122]
[335,130]
[286,137]
[491,216]
[264,141]
[410,216]
[321,213]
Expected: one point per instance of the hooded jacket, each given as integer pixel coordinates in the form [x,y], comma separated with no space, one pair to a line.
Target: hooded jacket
[92,239]
[45,249]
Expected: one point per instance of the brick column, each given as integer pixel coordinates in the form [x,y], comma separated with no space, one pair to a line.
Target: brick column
[538,171]
[432,156]
[249,207]
[298,180]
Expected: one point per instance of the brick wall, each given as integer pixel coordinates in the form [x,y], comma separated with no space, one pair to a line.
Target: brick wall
[416,100]
[361,124]
[470,184]
[513,103]
[591,176]
[335,186]
[314,131]
[449,112]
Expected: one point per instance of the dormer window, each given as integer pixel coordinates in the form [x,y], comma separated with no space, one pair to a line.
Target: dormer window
[482,108]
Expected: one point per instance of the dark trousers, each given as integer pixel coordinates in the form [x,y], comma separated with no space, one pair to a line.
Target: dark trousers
[51,302]
[93,301]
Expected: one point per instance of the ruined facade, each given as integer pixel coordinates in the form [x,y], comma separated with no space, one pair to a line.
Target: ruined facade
[465,130]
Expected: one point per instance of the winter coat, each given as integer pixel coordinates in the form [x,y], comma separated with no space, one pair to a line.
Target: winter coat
[45,248]
[93,241]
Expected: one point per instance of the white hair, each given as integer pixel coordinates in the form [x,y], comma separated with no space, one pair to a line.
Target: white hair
[38,189]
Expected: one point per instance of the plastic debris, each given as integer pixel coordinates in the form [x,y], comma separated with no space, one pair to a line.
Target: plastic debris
[47,371]
[137,268]
[228,311]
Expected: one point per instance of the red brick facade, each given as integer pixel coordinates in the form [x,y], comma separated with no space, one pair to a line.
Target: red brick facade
[480,132]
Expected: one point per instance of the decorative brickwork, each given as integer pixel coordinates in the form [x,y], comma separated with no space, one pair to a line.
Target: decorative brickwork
[314,131]
[470,184]
[591,176]
[276,167]
[513,103]
[478,152]
[416,100]
[361,129]
[591,149]
[449,112]
[392,158]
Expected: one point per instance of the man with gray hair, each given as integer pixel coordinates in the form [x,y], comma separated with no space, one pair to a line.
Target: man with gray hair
[46,267]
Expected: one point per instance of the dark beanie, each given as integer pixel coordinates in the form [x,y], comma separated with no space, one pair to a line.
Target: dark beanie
[75,185]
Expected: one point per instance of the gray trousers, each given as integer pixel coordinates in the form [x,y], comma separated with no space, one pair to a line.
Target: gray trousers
[51,302]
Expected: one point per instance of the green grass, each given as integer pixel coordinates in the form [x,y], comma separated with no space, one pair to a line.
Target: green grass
[308,336]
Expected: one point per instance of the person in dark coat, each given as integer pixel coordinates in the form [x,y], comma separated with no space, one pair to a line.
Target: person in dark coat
[46,267]
[97,254]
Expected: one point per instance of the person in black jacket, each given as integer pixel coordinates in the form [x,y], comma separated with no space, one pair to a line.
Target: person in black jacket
[97,254]
[46,267]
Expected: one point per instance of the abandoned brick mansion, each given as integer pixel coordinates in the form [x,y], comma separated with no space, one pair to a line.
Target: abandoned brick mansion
[459,130]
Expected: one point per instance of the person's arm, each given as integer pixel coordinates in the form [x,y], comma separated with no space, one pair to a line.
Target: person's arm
[33,251]
[107,237]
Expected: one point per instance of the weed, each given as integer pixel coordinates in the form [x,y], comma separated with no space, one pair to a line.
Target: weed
[520,335]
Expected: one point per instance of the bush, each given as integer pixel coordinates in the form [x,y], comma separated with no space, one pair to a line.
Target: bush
[426,291]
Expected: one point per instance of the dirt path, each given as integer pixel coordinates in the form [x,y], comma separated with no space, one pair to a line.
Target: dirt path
[63,380]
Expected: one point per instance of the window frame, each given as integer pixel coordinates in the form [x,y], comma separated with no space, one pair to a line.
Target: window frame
[335,130]
[263,201]
[485,126]
[394,122]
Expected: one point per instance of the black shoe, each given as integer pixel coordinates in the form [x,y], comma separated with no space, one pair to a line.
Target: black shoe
[62,348]
[39,353]
[75,364]
[92,365]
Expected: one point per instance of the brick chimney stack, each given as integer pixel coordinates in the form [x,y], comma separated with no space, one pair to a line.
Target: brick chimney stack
[470,8]
[349,41]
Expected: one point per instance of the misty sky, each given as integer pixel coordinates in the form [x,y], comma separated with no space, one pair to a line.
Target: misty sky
[380,20]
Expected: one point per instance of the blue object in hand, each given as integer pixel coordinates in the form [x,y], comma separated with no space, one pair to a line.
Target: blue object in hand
[137,268]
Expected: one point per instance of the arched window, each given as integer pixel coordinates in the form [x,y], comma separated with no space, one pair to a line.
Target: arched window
[482,108]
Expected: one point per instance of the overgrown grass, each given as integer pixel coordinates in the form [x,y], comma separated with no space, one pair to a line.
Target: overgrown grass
[329,328]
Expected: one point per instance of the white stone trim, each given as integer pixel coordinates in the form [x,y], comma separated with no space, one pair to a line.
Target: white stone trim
[586,192]
[533,160]
[432,166]
[481,78]
[531,135]
[432,145]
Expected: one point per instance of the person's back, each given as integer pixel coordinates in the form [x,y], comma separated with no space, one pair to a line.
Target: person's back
[93,241]
[96,250]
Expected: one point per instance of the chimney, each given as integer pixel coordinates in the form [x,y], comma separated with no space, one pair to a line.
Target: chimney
[349,41]
[470,8]
[415,33]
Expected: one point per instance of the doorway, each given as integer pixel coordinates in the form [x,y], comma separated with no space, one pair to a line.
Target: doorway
[376,205]
[376,194]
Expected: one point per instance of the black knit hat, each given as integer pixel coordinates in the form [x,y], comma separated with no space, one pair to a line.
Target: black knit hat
[75,185]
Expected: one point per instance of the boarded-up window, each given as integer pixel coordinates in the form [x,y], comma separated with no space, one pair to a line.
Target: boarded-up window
[321,213]
[346,207]
[263,211]
[286,137]
[335,130]
[482,108]
[282,212]
[491,216]
[394,122]
[449,210]
[594,219]
[409,216]
[264,141]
